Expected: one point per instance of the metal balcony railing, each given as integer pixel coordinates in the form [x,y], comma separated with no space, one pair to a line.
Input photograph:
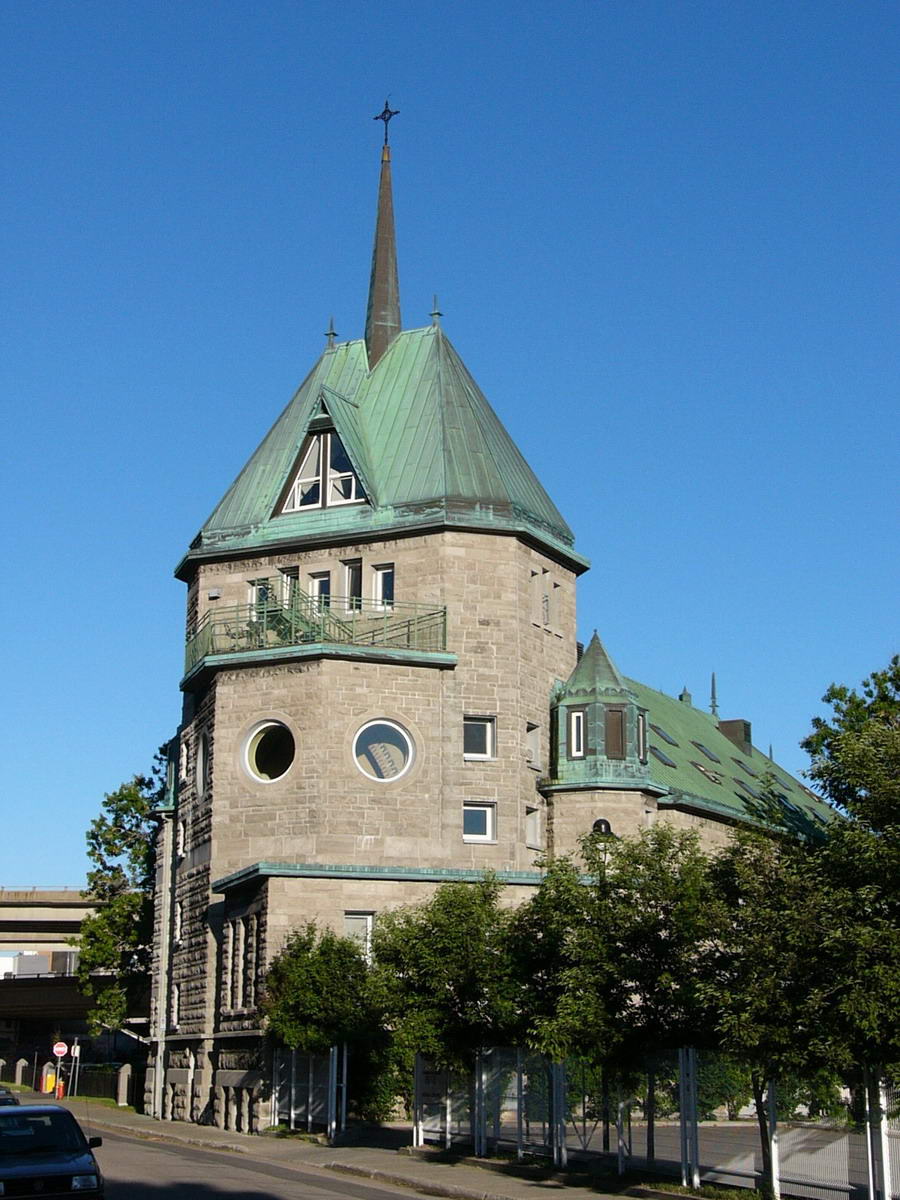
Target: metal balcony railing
[301,619]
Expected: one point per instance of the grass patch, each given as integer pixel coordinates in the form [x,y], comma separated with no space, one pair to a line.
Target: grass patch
[708,1191]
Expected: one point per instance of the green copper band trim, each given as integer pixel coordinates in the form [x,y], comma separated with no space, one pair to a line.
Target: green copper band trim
[266,870]
[631,785]
[380,654]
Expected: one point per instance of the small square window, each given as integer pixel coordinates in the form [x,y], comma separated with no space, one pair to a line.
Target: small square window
[479,821]
[478,737]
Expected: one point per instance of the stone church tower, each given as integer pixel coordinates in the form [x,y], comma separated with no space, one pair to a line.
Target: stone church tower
[380,627]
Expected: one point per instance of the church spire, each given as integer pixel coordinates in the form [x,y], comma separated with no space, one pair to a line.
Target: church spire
[383,313]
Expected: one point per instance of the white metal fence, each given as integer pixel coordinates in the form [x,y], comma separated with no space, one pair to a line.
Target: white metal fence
[309,1091]
[519,1101]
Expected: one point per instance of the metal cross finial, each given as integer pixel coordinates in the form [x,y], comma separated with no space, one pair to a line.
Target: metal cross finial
[386,116]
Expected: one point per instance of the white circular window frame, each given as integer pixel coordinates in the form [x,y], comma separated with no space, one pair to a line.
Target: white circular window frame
[407,736]
[256,728]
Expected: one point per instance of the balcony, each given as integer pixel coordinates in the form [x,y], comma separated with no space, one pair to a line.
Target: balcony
[303,620]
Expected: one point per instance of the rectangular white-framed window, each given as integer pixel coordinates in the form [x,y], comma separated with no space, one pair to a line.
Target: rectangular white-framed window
[576,733]
[533,827]
[353,583]
[358,928]
[290,585]
[320,588]
[533,745]
[642,736]
[479,821]
[479,737]
[383,585]
[261,597]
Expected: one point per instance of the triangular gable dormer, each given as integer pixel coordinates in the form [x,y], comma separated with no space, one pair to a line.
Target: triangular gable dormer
[323,475]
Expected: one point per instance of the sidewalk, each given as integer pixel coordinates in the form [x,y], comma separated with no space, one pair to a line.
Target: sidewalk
[432,1173]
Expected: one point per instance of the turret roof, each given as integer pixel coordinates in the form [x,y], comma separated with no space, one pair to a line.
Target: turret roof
[424,441]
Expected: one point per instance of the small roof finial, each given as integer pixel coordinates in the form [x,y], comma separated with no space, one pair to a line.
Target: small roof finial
[771,755]
[386,117]
[713,699]
[330,334]
[435,313]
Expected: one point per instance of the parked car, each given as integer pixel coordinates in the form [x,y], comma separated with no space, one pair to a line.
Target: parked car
[43,1152]
[7,1097]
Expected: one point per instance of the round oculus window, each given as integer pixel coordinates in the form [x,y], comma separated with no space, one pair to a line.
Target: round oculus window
[270,751]
[383,750]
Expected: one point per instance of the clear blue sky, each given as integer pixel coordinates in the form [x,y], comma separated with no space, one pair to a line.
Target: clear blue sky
[665,240]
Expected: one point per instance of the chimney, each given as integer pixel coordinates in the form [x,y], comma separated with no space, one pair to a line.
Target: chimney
[737,732]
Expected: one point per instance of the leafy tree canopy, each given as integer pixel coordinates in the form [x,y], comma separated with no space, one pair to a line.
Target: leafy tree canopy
[115,942]
[442,975]
[316,991]
[856,753]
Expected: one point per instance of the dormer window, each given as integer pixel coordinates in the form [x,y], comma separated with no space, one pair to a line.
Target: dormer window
[325,476]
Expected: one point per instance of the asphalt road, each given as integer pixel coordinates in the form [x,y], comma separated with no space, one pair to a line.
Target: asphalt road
[136,1169]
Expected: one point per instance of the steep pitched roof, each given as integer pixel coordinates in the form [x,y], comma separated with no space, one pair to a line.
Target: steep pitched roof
[595,674]
[688,729]
[426,444]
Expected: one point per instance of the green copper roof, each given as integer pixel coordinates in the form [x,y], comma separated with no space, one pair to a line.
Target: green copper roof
[595,675]
[425,443]
[686,726]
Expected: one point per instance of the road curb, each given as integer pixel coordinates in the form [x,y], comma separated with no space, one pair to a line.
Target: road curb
[454,1191]
[160,1135]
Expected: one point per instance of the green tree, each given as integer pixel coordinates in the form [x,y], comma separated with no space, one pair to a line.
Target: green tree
[856,752]
[442,974]
[115,942]
[316,992]
[771,979]
[856,763]
[565,1000]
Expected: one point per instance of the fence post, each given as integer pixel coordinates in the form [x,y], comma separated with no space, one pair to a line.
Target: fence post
[331,1113]
[293,1087]
[772,1105]
[695,1132]
[878,1162]
[683,1113]
[558,1113]
[479,1131]
[417,1101]
[123,1085]
[651,1114]
[21,1068]
[620,1132]
[344,1072]
[520,1105]
[885,1144]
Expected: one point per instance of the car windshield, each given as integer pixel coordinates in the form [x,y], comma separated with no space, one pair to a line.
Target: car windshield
[24,1132]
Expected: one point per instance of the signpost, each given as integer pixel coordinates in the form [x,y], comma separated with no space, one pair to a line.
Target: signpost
[60,1049]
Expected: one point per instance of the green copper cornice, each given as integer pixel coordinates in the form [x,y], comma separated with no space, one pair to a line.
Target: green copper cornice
[274,870]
